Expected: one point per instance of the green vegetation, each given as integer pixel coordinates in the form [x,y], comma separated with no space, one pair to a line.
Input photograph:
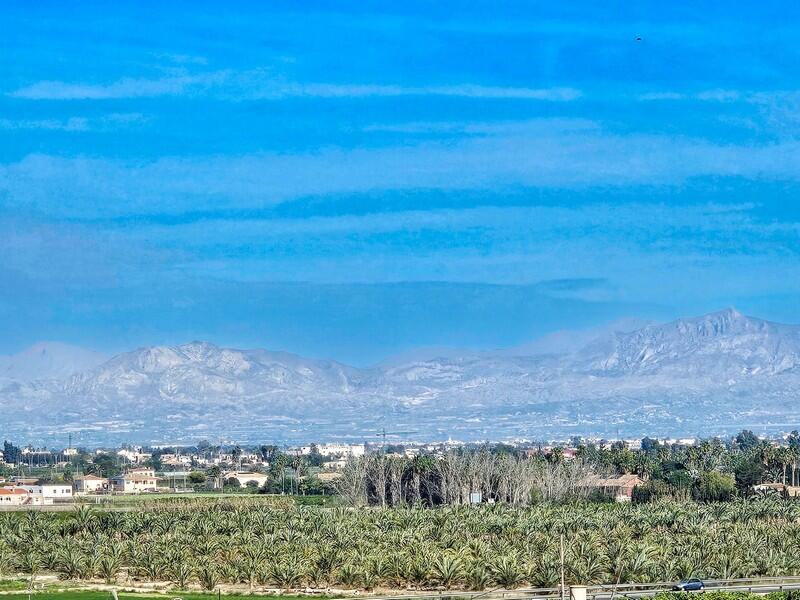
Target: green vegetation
[152,501]
[710,471]
[13,585]
[206,543]
[80,594]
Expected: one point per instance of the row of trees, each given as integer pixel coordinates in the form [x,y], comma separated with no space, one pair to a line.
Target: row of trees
[751,459]
[452,479]
[709,471]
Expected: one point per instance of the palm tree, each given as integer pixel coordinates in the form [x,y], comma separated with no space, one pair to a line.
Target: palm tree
[286,573]
[208,576]
[448,570]
[506,571]
[181,572]
[109,568]
[30,562]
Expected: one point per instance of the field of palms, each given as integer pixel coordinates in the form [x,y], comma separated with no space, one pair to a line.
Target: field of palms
[246,545]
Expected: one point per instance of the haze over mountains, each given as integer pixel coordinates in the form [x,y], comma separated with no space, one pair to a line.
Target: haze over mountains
[48,360]
[709,375]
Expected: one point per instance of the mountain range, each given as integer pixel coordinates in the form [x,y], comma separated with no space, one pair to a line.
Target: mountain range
[708,375]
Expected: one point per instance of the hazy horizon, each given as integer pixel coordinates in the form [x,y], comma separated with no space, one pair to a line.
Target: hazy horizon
[540,342]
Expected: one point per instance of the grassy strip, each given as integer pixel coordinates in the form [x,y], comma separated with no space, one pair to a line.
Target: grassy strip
[78,594]
[12,585]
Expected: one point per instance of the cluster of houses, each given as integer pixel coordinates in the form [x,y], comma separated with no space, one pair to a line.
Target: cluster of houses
[21,491]
[336,455]
[139,481]
[29,492]
[184,460]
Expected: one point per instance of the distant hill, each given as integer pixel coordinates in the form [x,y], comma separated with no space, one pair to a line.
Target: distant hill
[710,374]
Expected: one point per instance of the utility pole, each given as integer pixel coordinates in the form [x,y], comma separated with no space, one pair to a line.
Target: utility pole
[562,567]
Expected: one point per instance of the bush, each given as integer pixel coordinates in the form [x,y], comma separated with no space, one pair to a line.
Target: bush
[197,477]
[653,490]
[715,487]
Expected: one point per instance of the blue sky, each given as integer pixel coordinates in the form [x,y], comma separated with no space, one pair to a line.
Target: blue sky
[351,180]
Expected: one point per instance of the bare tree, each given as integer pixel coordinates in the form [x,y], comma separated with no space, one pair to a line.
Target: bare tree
[352,485]
[451,477]
[377,476]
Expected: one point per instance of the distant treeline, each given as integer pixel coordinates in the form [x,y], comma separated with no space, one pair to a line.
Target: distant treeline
[711,470]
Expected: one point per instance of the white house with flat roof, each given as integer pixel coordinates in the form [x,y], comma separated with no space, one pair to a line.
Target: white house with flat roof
[50,491]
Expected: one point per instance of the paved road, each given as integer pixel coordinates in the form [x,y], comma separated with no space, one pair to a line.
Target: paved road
[757,586]
[607,594]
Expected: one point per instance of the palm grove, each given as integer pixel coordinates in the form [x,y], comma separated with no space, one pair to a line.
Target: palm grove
[252,544]
[407,523]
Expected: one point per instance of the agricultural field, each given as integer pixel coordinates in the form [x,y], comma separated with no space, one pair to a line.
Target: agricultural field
[56,593]
[250,545]
[147,501]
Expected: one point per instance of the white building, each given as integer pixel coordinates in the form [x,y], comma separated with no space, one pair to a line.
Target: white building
[135,482]
[135,457]
[244,478]
[16,496]
[331,450]
[49,491]
[90,484]
[176,460]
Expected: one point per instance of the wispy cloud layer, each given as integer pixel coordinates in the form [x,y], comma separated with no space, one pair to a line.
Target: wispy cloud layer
[539,155]
[255,85]
[123,88]
[74,124]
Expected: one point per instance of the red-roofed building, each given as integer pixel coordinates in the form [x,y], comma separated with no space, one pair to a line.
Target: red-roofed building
[15,496]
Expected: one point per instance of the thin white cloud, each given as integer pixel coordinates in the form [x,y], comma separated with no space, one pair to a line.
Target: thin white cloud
[74,124]
[122,88]
[324,90]
[651,96]
[71,124]
[721,95]
[255,85]
[483,128]
[638,239]
[182,59]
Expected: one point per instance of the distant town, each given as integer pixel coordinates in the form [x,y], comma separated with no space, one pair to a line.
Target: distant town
[38,476]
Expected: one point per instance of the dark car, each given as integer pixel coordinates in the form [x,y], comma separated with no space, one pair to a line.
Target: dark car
[689,585]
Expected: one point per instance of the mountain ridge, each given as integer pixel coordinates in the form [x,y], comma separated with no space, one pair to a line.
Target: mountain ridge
[732,367]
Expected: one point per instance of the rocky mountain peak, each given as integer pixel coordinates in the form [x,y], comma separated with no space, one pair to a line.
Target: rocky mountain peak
[732,365]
